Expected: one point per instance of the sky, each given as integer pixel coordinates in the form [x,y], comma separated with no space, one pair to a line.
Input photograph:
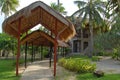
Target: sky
[69,5]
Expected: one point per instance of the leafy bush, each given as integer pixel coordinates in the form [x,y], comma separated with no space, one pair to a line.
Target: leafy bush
[116,53]
[21,61]
[77,65]
[95,58]
[101,53]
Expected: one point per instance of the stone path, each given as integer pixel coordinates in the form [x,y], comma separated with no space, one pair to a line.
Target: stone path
[38,71]
[108,65]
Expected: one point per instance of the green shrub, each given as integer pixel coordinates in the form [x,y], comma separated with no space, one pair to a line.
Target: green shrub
[77,65]
[101,53]
[21,61]
[61,61]
[116,53]
[95,58]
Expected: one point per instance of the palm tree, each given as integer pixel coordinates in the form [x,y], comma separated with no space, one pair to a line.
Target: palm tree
[58,8]
[90,11]
[8,6]
[114,5]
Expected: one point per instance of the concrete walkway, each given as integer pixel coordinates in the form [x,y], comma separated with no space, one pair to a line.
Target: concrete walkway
[109,65]
[38,71]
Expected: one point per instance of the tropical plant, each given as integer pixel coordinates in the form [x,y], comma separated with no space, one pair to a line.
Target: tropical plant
[90,12]
[7,44]
[77,65]
[8,6]
[58,8]
[116,53]
[113,5]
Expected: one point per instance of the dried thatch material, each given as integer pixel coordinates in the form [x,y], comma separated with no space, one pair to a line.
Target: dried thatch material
[40,38]
[39,13]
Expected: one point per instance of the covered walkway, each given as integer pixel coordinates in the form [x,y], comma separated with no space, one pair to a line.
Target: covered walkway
[39,70]
[36,13]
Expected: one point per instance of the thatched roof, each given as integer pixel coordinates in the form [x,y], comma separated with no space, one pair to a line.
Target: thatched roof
[39,13]
[40,38]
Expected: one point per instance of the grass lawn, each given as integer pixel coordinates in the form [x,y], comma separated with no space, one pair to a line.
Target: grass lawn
[90,76]
[7,70]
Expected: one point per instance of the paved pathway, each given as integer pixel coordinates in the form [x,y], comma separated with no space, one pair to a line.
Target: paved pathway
[38,71]
[109,65]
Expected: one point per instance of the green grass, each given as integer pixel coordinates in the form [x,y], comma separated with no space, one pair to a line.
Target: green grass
[90,76]
[93,58]
[79,56]
[7,70]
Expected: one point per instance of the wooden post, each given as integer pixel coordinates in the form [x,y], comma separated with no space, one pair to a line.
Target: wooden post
[50,55]
[32,53]
[26,55]
[18,48]
[55,49]
[55,58]
[41,52]
[63,51]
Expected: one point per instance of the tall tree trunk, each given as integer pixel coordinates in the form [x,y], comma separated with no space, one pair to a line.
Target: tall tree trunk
[58,6]
[0,53]
[91,31]
[3,53]
[82,49]
[7,53]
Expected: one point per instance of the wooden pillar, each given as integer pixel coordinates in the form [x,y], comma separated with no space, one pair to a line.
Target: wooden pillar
[59,50]
[55,48]
[32,53]
[18,48]
[55,58]
[63,51]
[41,52]
[26,55]
[34,50]
[50,54]
[39,49]
[51,50]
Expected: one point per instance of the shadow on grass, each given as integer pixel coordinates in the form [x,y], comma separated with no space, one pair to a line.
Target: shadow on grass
[90,76]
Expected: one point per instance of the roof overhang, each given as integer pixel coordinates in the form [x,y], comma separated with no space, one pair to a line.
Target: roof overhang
[39,13]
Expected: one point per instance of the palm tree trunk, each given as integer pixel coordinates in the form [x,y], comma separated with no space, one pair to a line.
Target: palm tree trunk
[91,39]
[58,5]
[91,31]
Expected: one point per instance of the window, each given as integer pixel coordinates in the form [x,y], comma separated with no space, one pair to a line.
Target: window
[85,45]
